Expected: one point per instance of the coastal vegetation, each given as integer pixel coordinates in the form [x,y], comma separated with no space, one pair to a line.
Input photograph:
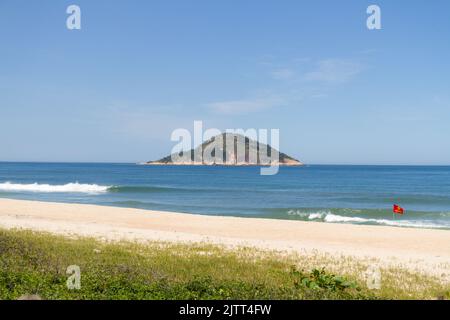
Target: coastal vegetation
[35,265]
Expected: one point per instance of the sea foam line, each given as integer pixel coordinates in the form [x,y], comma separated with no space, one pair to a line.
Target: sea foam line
[69,187]
[334,218]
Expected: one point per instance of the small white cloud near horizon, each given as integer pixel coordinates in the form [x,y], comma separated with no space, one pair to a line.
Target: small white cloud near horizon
[334,71]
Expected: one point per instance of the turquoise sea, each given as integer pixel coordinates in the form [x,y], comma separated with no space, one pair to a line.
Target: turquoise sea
[326,193]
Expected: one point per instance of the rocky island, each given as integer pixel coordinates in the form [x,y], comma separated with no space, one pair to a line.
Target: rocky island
[229,149]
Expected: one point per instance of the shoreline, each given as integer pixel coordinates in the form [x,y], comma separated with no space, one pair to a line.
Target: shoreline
[424,250]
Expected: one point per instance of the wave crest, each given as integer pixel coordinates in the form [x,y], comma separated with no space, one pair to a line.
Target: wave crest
[334,218]
[69,187]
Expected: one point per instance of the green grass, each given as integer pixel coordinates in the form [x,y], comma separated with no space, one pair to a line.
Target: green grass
[36,263]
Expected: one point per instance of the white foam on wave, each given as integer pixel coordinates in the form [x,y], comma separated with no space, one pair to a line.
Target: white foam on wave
[69,187]
[334,218]
[316,216]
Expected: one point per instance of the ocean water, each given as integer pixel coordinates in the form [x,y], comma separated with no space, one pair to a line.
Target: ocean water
[329,194]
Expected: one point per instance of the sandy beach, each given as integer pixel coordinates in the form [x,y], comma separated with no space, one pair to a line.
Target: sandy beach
[423,250]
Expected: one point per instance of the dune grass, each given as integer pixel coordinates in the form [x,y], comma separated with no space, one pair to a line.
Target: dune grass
[36,263]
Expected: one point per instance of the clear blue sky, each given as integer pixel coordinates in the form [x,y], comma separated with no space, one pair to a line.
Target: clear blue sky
[114,90]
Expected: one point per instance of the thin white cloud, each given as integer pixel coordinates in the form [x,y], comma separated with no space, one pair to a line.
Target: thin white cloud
[334,71]
[295,86]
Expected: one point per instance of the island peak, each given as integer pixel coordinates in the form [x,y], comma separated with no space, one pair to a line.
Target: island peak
[229,149]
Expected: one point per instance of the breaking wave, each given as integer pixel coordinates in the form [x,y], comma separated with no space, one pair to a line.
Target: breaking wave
[69,187]
[334,218]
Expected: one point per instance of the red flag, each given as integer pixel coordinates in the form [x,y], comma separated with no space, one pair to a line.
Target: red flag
[398,210]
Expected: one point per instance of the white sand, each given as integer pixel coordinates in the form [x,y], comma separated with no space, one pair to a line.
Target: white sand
[419,249]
